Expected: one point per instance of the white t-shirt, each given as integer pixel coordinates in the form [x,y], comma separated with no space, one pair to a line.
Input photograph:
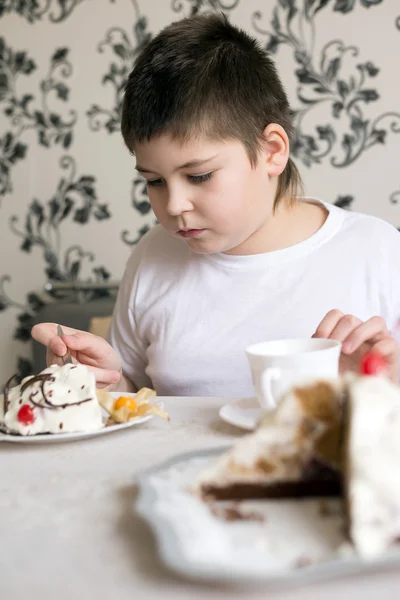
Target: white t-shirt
[182,320]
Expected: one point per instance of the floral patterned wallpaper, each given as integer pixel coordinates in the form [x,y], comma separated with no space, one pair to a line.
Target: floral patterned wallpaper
[71,205]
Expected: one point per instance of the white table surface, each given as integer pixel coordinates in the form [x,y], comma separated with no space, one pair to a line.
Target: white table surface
[68,528]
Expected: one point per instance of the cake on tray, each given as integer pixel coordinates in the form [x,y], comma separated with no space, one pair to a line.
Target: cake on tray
[328,438]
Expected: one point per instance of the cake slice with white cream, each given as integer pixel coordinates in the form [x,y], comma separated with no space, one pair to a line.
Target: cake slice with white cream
[60,399]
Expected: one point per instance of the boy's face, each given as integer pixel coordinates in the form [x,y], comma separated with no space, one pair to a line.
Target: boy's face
[206,192]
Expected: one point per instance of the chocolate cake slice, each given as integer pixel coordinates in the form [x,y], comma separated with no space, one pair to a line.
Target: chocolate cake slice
[295,451]
[325,439]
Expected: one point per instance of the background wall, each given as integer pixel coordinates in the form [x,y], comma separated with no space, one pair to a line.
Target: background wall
[71,206]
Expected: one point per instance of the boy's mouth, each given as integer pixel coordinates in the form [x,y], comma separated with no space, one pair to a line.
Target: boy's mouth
[190,233]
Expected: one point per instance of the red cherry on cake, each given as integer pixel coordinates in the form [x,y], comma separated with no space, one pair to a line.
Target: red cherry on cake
[373,363]
[26,416]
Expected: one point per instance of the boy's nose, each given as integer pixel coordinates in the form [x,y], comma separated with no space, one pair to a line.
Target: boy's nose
[178,203]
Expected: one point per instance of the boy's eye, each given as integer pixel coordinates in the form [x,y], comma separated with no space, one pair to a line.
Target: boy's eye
[154,182]
[192,179]
[200,178]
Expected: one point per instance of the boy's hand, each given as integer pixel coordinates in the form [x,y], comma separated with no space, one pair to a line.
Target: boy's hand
[85,348]
[359,337]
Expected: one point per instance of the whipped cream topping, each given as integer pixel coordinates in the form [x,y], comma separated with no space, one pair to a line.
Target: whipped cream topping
[373,464]
[61,399]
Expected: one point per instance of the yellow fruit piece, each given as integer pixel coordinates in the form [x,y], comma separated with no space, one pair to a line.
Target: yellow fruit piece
[151,409]
[125,401]
[125,408]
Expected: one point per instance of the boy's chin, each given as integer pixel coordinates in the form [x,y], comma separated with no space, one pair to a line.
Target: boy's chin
[210,246]
[201,248]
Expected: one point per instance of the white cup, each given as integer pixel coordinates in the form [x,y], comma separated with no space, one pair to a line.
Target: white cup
[278,365]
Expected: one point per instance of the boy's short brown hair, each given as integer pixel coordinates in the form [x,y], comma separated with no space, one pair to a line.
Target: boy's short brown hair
[202,75]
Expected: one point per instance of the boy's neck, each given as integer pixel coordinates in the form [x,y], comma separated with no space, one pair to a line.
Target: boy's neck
[289,225]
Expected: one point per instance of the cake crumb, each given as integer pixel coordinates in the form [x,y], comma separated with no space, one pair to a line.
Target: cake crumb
[235,512]
[327,509]
[303,561]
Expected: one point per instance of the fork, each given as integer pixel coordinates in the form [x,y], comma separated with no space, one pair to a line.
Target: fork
[67,358]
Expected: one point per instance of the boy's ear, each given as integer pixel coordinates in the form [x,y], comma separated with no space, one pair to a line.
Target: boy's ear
[275,145]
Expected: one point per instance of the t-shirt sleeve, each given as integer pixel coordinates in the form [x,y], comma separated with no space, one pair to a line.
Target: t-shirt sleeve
[124,332]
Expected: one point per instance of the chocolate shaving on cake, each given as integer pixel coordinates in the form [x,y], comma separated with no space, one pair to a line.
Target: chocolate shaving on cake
[35,379]
[33,401]
[6,391]
[42,378]
[55,406]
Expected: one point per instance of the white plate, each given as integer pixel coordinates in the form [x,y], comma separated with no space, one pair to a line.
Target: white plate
[54,438]
[244,413]
[197,545]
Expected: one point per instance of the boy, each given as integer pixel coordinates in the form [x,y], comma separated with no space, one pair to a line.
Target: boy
[238,257]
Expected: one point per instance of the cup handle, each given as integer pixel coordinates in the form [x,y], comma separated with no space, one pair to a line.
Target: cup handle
[267,377]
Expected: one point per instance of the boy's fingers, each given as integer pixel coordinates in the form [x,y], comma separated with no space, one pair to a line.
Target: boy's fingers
[57,346]
[44,332]
[388,348]
[371,331]
[328,324]
[73,339]
[345,326]
[53,359]
[105,376]
[90,344]
[85,348]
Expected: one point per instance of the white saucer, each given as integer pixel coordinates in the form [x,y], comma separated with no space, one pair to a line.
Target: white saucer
[244,413]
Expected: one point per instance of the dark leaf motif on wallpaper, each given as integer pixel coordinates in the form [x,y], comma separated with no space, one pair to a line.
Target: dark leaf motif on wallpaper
[125,52]
[49,126]
[11,152]
[395,199]
[5,300]
[24,367]
[140,202]
[139,234]
[25,321]
[34,10]
[24,326]
[397,22]
[26,311]
[196,7]
[140,198]
[346,6]
[75,200]
[345,201]
[323,86]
